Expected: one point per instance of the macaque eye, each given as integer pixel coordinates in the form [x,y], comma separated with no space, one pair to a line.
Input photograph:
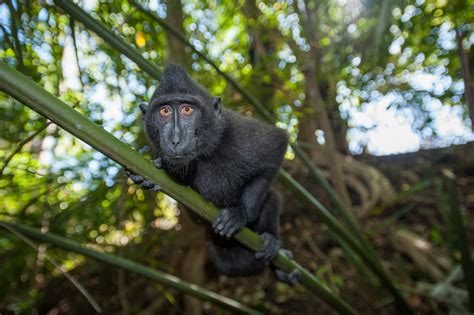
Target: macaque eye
[186,110]
[165,111]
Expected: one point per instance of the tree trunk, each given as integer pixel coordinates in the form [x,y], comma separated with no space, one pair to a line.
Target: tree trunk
[189,259]
[261,50]
[315,101]
[190,253]
[257,49]
[176,50]
[466,75]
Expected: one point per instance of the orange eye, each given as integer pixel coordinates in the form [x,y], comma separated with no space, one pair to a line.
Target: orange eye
[165,111]
[186,110]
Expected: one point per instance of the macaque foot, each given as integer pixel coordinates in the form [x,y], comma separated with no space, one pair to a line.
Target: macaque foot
[270,247]
[144,183]
[290,278]
[228,222]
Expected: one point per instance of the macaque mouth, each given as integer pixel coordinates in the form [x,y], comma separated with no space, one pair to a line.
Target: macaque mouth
[181,157]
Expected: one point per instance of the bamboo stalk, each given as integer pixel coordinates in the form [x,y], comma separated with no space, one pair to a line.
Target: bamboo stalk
[35,97]
[108,36]
[127,264]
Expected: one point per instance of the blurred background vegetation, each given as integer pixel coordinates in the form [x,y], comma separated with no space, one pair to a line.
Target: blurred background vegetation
[356,83]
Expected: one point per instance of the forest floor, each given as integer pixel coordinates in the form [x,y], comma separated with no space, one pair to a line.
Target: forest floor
[409,233]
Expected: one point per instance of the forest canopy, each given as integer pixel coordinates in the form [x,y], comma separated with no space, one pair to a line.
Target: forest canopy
[377,98]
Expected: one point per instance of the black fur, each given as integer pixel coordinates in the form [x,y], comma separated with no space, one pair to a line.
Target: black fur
[233,163]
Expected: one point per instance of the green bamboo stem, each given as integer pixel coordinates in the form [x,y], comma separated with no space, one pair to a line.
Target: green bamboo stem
[368,252]
[127,264]
[460,237]
[35,97]
[108,36]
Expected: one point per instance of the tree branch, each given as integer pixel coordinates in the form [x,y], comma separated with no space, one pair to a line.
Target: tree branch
[20,146]
[76,54]
[466,75]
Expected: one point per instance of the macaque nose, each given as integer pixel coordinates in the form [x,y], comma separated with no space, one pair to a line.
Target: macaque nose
[175,142]
[175,139]
[176,135]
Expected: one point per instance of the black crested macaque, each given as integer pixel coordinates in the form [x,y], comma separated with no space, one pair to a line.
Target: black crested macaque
[229,159]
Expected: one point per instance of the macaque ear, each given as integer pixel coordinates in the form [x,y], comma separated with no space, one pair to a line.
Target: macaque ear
[217,104]
[144,107]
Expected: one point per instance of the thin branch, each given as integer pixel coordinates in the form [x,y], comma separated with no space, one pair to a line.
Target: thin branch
[76,54]
[22,143]
[14,18]
[50,188]
[56,265]
[7,38]
[20,146]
